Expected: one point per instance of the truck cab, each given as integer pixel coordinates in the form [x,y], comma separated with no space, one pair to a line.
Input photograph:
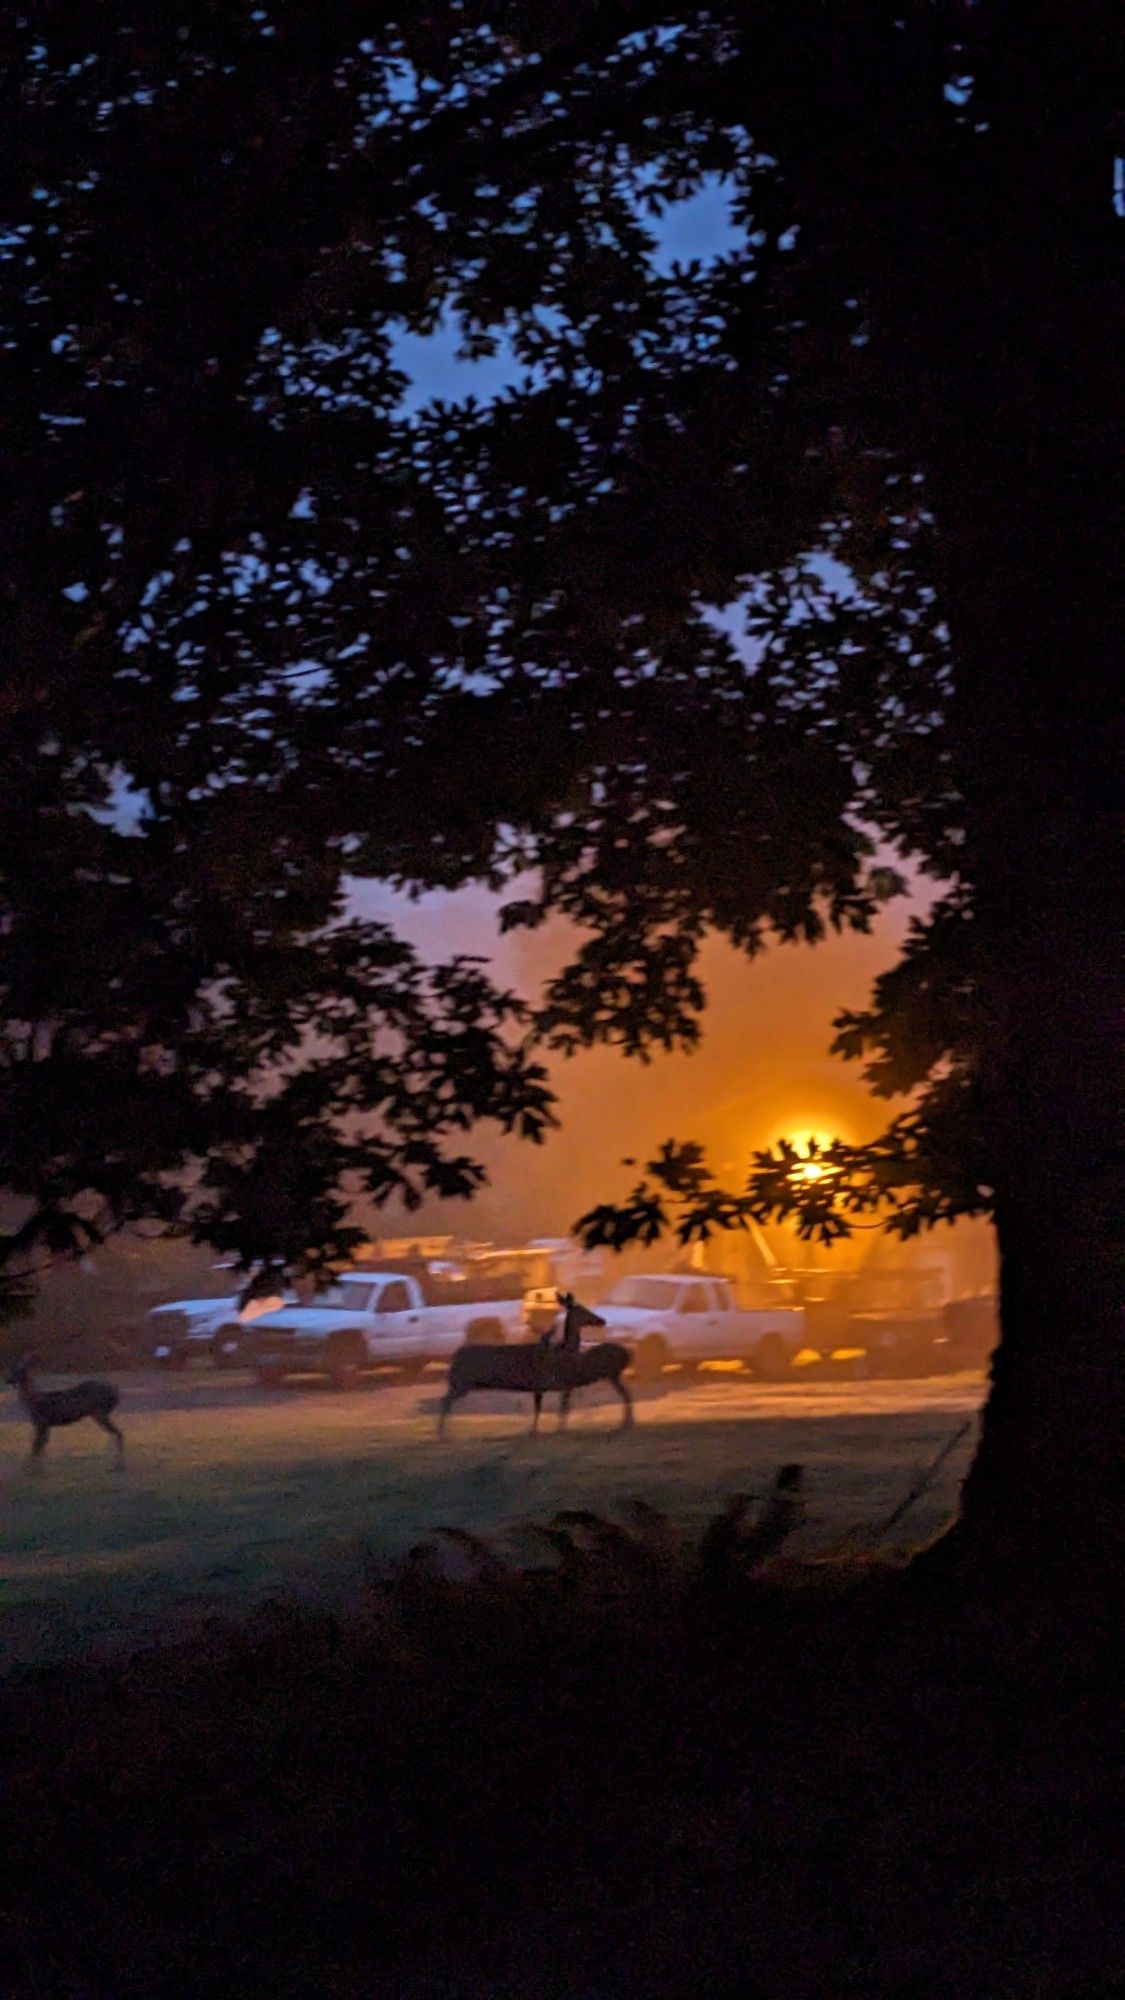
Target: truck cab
[364,1320]
[692,1317]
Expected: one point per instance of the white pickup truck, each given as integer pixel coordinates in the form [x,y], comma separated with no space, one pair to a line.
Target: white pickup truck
[693,1317]
[186,1328]
[365,1319]
[201,1329]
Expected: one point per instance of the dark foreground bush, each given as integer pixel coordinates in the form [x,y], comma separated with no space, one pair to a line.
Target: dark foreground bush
[632,1770]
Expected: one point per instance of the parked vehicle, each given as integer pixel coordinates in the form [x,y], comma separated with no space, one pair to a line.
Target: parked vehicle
[188,1330]
[960,1334]
[365,1319]
[694,1317]
[971,1329]
[541,1310]
[900,1319]
[185,1329]
[544,1268]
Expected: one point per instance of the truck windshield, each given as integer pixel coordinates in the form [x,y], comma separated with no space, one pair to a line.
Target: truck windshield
[344,1298]
[652,1294]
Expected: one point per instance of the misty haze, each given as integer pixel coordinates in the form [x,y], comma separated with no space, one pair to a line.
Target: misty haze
[559,1177]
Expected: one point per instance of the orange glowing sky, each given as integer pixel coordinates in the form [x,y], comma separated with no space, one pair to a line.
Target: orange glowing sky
[762,1070]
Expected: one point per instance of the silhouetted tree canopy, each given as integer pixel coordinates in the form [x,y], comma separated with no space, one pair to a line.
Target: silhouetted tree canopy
[768,572]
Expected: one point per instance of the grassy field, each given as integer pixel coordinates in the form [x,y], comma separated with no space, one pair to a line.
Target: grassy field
[230,1495]
[632,1777]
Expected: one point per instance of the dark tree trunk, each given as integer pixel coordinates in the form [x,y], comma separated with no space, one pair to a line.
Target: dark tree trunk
[1032,614]
[1010,282]
[1042,1502]
[1043,1497]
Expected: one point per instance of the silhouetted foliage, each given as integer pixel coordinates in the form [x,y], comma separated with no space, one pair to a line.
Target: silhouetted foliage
[584,632]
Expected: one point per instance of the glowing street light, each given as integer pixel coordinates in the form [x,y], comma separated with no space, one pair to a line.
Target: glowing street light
[810,1167]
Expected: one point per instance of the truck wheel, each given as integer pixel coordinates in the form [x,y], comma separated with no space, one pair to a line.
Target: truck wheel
[269,1378]
[769,1357]
[650,1356]
[343,1363]
[485,1333]
[177,1361]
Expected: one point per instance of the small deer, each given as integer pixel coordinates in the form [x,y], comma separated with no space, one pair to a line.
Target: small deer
[49,1409]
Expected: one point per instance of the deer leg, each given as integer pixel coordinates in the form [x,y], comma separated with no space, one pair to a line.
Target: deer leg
[537,1398]
[444,1408]
[627,1399]
[114,1430]
[564,1409]
[42,1433]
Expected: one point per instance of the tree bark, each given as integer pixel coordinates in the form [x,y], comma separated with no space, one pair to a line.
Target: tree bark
[1043,1497]
[1032,616]
[1041,1506]
[1017,372]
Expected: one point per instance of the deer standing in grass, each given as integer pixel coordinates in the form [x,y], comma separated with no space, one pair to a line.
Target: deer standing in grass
[50,1409]
[536,1370]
